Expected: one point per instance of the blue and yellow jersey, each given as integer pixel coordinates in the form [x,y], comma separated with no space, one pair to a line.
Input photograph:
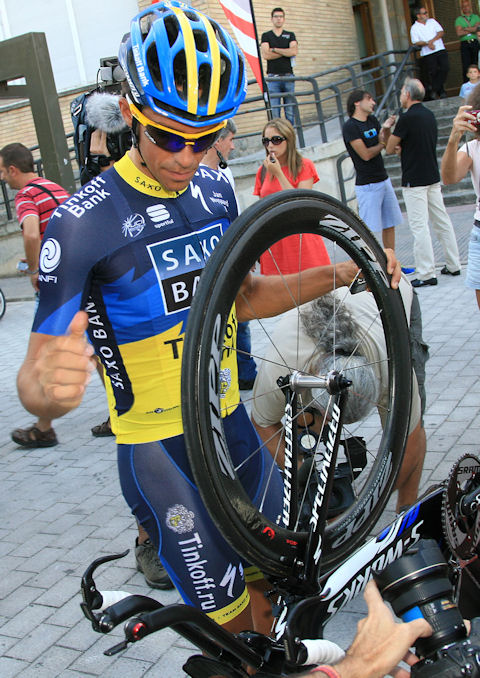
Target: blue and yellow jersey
[130,253]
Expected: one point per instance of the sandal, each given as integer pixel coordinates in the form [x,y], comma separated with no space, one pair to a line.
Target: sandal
[103,430]
[32,437]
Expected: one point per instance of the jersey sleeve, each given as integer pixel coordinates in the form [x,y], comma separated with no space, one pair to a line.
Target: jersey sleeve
[258,181]
[351,131]
[25,207]
[66,259]
[401,127]
[308,171]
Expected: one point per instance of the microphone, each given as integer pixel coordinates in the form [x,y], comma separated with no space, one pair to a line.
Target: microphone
[103,113]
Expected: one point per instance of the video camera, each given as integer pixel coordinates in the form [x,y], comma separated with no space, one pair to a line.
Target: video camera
[417,585]
[99,110]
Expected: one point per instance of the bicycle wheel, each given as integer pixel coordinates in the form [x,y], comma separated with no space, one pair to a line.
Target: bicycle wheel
[3,304]
[264,542]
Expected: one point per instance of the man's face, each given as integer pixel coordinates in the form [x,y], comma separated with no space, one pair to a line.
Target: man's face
[367,104]
[173,171]
[473,74]
[278,19]
[422,16]
[403,97]
[226,145]
[6,175]
[466,7]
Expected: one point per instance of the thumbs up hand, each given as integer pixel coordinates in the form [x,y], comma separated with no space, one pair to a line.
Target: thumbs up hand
[64,365]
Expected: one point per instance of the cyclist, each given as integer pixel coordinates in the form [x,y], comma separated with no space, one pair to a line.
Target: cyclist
[138,238]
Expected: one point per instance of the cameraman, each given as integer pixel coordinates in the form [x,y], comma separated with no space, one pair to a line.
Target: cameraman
[379,645]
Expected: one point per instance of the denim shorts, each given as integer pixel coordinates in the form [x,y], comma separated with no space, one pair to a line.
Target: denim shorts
[473,266]
[378,205]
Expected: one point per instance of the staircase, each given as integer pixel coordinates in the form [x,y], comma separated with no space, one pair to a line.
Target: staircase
[458,194]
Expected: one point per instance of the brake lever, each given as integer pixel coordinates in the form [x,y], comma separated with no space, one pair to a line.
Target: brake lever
[92,598]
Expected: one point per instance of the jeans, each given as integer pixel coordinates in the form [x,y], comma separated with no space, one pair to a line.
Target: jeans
[276,88]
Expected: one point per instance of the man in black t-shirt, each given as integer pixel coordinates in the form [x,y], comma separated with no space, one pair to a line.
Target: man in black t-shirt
[278,48]
[416,135]
[365,140]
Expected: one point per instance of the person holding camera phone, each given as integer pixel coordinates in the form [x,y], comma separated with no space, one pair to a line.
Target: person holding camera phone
[456,163]
[284,168]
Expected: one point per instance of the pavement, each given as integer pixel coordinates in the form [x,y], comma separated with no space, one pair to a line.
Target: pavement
[61,507]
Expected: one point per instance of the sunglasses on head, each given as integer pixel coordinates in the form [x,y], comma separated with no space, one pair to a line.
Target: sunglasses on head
[276,141]
[167,140]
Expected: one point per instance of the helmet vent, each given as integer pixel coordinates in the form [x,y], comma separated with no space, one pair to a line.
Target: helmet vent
[201,41]
[204,77]
[180,70]
[146,23]
[225,69]
[172,27]
[219,34]
[154,66]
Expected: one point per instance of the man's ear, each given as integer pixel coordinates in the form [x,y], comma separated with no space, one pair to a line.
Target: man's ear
[125,111]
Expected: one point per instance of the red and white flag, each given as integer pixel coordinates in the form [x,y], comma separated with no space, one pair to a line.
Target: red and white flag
[240,15]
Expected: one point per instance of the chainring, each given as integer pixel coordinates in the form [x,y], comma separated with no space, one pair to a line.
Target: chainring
[461,533]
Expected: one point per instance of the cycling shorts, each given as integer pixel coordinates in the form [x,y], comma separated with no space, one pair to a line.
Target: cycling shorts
[158,485]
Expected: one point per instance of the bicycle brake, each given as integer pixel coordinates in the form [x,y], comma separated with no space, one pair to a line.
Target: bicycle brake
[92,598]
[462,532]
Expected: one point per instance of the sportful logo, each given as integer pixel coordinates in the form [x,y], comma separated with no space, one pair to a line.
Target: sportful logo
[50,255]
[133,225]
[158,213]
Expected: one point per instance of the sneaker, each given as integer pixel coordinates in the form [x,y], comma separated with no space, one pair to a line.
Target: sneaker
[424,283]
[32,437]
[148,563]
[445,271]
[408,269]
[103,430]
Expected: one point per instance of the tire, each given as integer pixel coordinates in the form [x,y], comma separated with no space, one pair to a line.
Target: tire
[275,549]
[3,304]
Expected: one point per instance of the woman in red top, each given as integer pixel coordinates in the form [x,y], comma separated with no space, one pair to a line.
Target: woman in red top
[284,168]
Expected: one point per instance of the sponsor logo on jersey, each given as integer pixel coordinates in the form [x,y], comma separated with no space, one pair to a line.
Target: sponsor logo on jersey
[180,519]
[159,215]
[228,579]
[225,381]
[86,198]
[133,225]
[196,566]
[50,255]
[178,263]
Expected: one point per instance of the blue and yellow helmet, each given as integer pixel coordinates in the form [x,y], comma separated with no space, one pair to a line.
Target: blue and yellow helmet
[183,65]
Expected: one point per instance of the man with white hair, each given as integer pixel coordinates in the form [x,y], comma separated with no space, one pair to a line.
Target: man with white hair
[356,342]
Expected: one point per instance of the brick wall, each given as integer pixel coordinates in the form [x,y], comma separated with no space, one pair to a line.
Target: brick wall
[320,48]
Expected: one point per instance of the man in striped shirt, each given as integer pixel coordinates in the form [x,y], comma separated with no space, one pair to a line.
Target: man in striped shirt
[35,202]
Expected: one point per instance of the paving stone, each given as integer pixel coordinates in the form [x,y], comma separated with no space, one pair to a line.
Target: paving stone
[10,667]
[36,642]
[51,664]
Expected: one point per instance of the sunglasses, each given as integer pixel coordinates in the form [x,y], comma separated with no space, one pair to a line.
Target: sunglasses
[276,141]
[172,142]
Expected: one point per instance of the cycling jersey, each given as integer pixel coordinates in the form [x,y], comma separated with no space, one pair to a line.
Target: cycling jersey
[131,253]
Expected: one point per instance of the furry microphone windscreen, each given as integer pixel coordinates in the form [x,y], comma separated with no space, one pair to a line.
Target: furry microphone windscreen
[103,112]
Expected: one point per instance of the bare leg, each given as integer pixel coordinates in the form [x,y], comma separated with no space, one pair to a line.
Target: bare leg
[388,237]
[477,292]
[142,534]
[408,480]
[44,424]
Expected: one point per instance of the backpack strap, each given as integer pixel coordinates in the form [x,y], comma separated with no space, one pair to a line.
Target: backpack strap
[45,190]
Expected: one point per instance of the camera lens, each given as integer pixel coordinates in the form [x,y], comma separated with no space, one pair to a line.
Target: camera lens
[416,586]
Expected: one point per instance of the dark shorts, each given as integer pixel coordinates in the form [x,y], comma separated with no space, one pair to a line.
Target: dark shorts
[158,485]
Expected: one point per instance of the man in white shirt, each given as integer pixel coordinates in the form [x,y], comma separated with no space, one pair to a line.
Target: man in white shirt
[427,34]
